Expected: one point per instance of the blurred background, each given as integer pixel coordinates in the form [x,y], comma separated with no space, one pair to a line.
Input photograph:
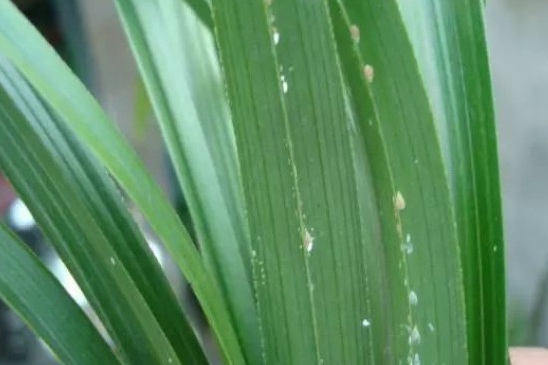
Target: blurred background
[88,35]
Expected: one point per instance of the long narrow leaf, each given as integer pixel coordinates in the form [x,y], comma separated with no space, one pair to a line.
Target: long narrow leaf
[104,202]
[458,85]
[32,291]
[62,90]
[202,10]
[395,119]
[176,57]
[39,178]
[314,232]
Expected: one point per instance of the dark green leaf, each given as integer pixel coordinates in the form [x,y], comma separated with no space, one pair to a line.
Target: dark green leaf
[311,233]
[395,120]
[456,76]
[32,291]
[44,181]
[102,199]
[69,99]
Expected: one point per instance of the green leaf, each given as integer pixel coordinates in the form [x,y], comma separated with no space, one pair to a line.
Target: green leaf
[34,293]
[44,183]
[67,97]
[202,10]
[103,201]
[400,120]
[176,56]
[458,82]
[470,195]
[310,202]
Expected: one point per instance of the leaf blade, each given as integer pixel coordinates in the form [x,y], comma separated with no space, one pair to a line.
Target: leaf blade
[103,201]
[32,291]
[458,80]
[400,118]
[38,177]
[293,141]
[91,125]
[175,55]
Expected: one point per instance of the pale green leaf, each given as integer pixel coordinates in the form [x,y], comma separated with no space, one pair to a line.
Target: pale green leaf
[176,56]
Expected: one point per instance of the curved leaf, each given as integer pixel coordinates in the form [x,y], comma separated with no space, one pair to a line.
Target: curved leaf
[34,293]
[66,95]
[176,57]
[311,232]
[449,43]
[395,119]
[39,178]
[103,201]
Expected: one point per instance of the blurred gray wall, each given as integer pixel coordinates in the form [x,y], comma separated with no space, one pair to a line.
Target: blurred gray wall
[518,41]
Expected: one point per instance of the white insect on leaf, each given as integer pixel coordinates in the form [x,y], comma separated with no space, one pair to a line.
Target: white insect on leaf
[399,201]
[355,33]
[285,86]
[413,298]
[308,243]
[369,73]
[408,245]
[414,336]
[275,36]
[366,323]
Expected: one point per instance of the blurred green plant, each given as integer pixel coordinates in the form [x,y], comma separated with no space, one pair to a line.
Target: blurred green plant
[338,159]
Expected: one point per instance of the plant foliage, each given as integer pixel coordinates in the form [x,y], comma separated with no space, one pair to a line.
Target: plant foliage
[338,158]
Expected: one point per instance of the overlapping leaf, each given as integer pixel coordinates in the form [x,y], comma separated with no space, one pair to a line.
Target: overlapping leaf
[69,99]
[449,42]
[77,208]
[176,57]
[365,139]
[310,232]
[32,291]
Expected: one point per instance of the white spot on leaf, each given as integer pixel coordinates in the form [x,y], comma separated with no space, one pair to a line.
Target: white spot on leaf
[308,241]
[355,33]
[399,201]
[285,86]
[408,245]
[368,73]
[366,323]
[414,336]
[413,298]
[275,36]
